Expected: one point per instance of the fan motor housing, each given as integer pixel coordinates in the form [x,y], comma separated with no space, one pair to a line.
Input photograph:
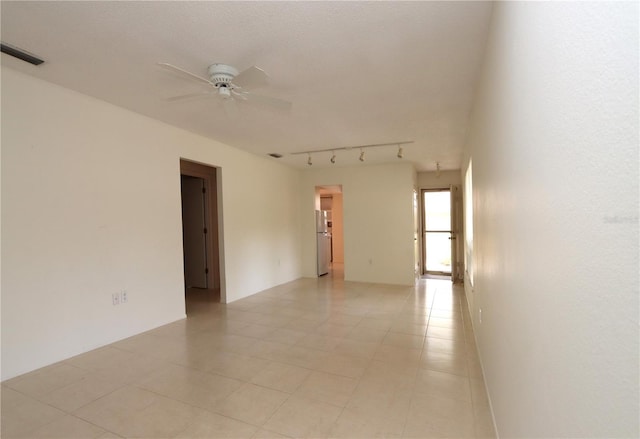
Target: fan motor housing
[221,74]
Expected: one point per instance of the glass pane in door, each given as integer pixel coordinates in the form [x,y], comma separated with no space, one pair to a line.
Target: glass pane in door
[437,231]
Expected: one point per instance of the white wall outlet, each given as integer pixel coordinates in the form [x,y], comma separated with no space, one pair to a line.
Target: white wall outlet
[115,298]
[124,297]
[480,315]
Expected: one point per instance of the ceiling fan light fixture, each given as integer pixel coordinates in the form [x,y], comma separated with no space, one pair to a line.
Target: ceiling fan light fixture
[224,92]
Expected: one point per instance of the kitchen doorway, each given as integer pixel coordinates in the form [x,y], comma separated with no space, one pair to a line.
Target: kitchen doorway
[437,236]
[200,234]
[329,221]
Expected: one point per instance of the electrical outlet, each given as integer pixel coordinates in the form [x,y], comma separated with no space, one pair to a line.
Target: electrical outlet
[115,298]
[123,297]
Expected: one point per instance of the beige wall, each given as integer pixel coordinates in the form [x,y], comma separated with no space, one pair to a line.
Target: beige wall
[337,215]
[91,207]
[554,144]
[377,219]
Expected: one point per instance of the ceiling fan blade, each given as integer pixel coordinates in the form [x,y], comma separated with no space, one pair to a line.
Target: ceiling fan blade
[187,97]
[277,103]
[231,108]
[184,73]
[253,77]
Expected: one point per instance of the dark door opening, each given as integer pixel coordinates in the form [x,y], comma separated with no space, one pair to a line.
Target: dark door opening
[201,251]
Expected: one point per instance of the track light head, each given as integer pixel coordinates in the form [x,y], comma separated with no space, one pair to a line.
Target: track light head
[309,162]
[361,155]
[333,157]
[399,151]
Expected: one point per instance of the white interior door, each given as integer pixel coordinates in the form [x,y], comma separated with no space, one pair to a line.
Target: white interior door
[194,232]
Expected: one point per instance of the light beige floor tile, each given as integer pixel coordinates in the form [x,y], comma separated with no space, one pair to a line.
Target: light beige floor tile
[400,373]
[80,393]
[321,386]
[349,356]
[255,331]
[47,379]
[367,334]
[109,435]
[376,324]
[446,346]
[251,404]
[240,367]
[432,416]
[403,326]
[443,384]
[21,414]
[444,363]
[68,427]
[397,355]
[343,365]
[279,376]
[298,356]
[321,342]
[403,340]
[301,417]
[266,434]
[211,425]
[117,365]
[484,427]
[448,333]
[478,392]
[132,412]
[352,425]
[192,387]
[286,336]
[387,398]
[356,348]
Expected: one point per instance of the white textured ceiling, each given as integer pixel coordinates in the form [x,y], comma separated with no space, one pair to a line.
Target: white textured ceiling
[356,72]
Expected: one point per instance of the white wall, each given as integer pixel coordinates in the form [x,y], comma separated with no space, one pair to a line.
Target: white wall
[554,144]
[431,180]
[377,221]
[91,206]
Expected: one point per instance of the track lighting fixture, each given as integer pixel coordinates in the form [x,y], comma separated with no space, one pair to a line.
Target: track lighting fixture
[437,169]
[349,148]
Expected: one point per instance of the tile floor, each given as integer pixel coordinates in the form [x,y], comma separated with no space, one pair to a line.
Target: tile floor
[312,358]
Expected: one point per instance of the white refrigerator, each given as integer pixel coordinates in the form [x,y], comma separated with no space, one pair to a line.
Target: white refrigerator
[323,238]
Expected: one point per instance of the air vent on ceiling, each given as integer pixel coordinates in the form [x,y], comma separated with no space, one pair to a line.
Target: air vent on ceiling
[275,155]
[20,54]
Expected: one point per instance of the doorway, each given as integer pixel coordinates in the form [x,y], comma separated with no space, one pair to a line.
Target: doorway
[437,236]
[329,207]
[200,234]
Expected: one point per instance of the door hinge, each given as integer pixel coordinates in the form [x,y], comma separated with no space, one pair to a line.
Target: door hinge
[204,190]
[206,271]
[205,230]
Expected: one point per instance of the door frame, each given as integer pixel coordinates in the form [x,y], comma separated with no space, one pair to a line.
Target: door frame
[423,230]
[210,175]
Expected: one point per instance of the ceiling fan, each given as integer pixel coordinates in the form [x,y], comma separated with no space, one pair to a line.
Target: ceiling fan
[229,85]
